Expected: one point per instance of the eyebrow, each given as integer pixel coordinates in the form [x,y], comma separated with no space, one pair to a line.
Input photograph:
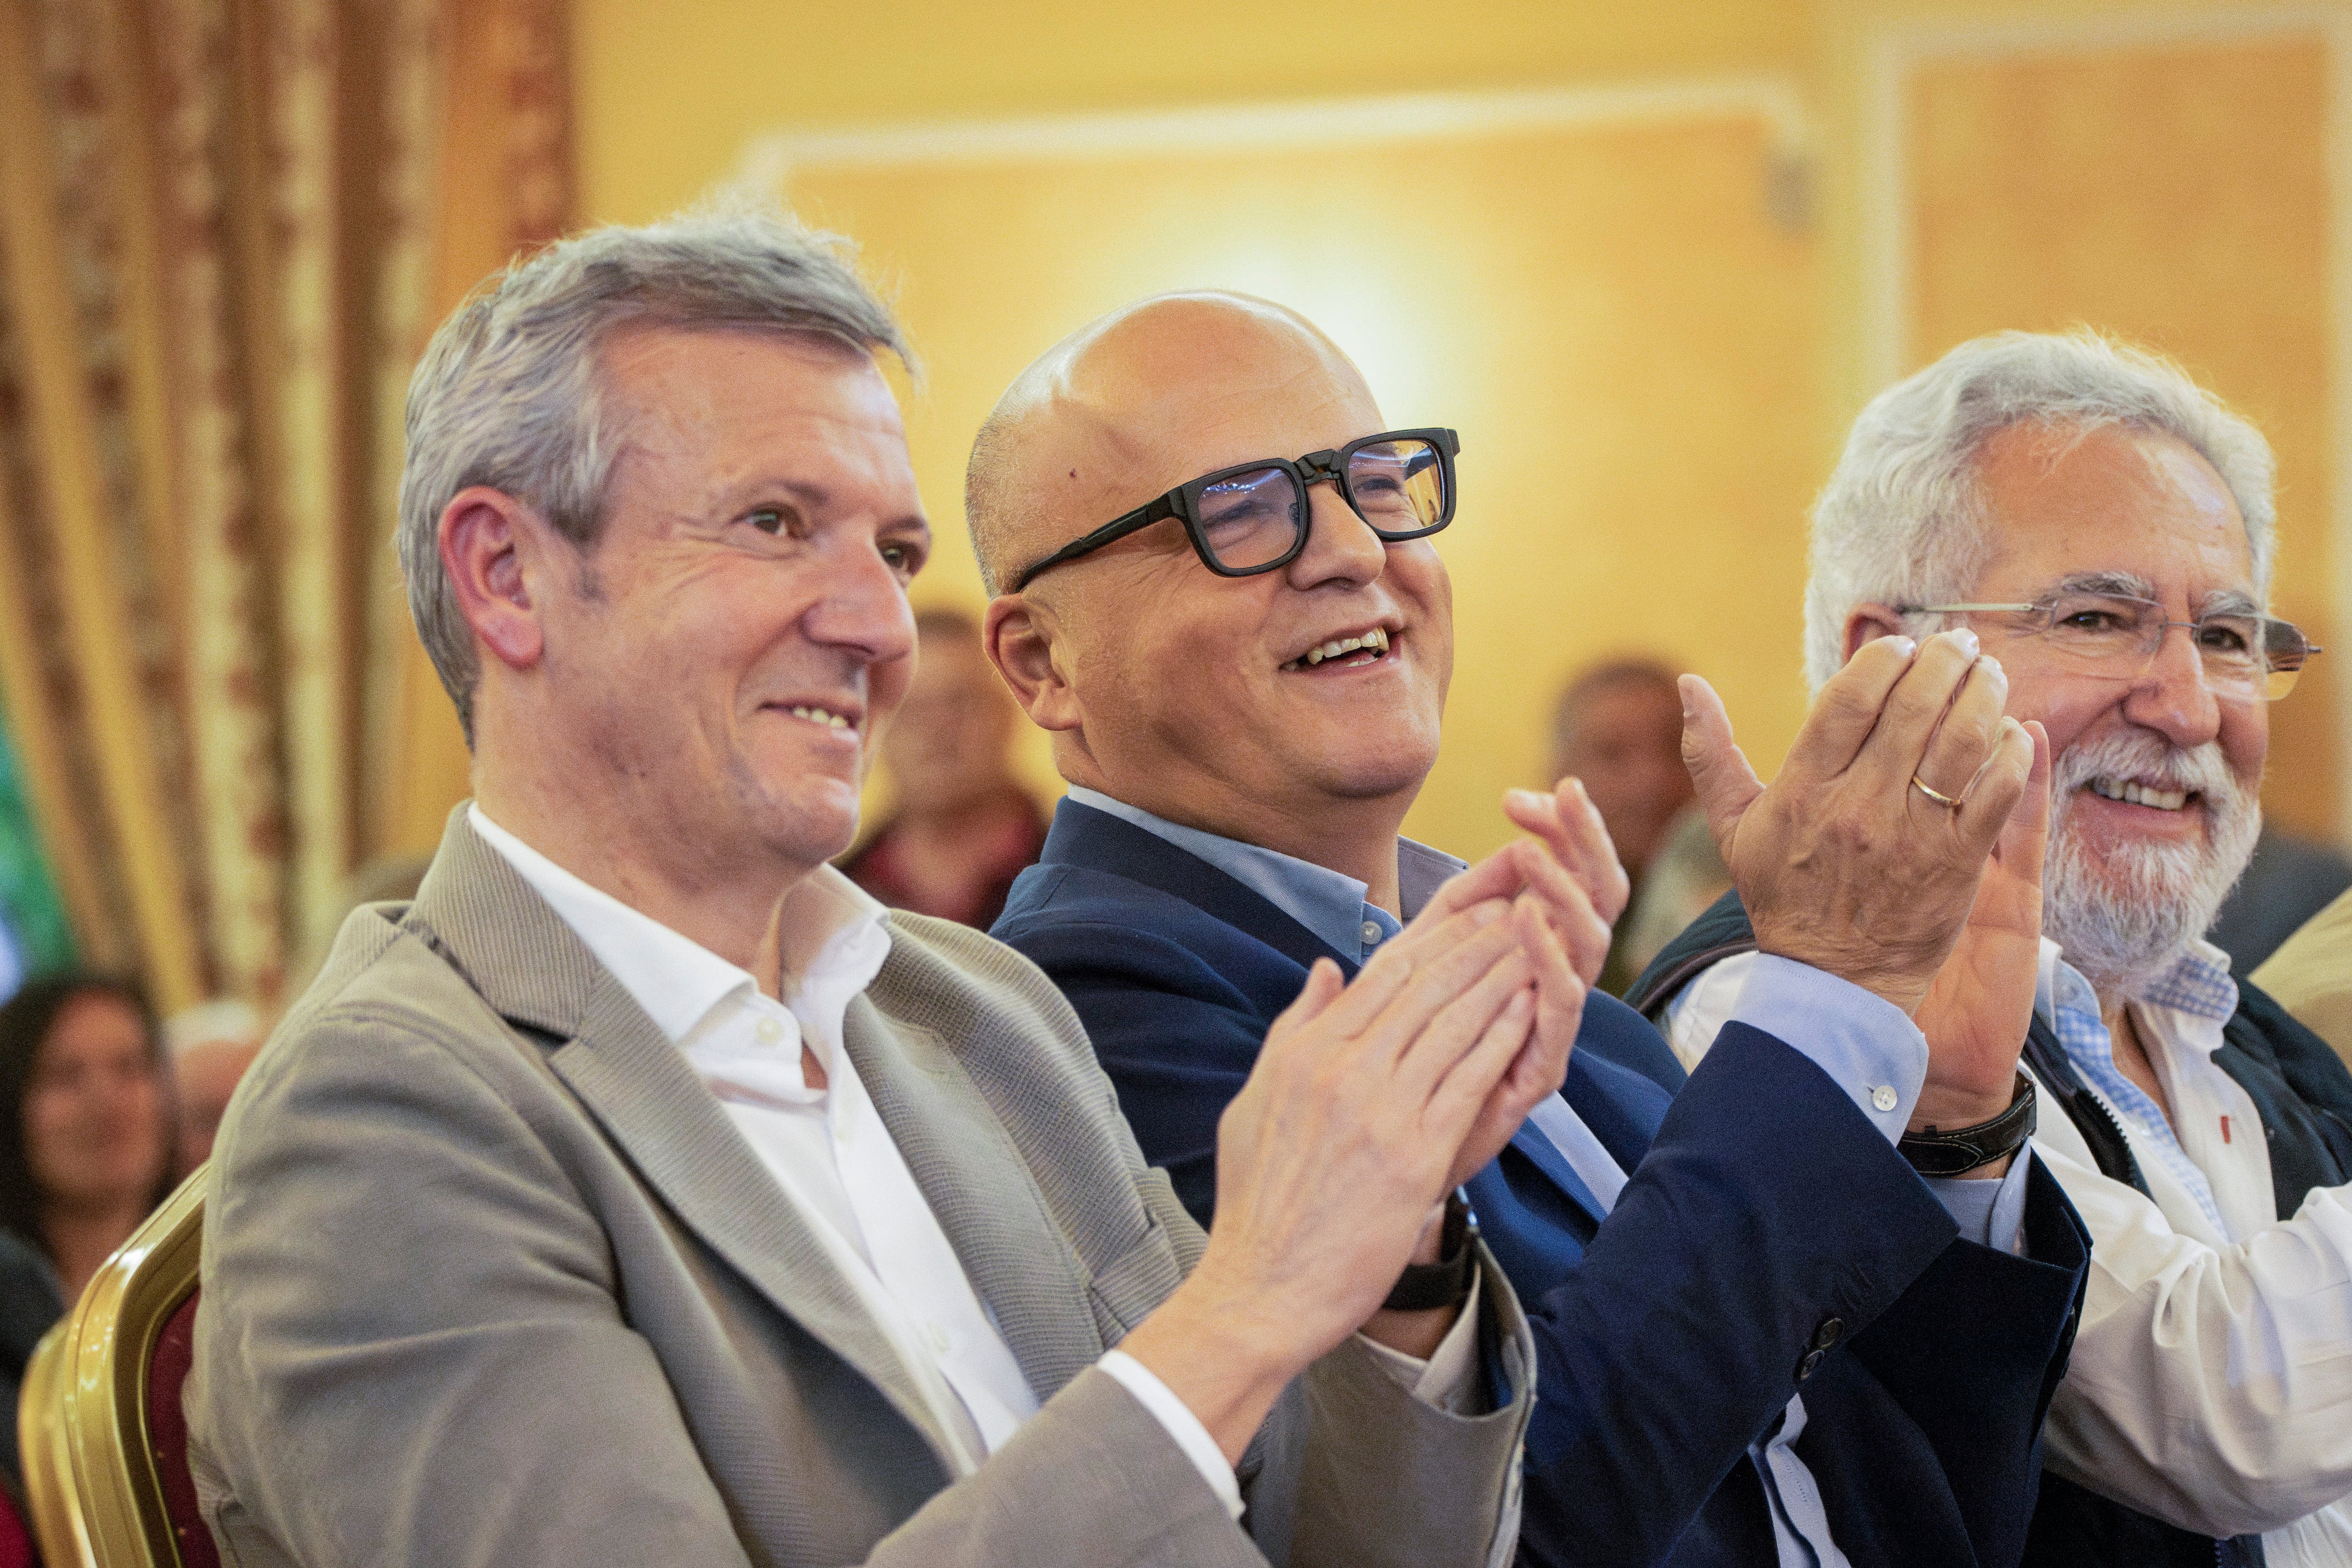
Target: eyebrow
[2127,584]
[2228,601]
[2220,601]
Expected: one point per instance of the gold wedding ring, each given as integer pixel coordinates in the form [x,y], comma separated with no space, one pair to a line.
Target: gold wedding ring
[1933,793]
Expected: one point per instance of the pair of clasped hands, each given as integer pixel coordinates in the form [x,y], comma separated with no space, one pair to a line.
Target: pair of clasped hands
[1375,1098]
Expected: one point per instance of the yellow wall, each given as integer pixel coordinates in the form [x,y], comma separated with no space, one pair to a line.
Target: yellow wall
[1650,372]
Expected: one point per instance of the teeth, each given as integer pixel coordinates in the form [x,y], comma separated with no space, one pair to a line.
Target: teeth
[822,716]
[2139,794]
[1376,640]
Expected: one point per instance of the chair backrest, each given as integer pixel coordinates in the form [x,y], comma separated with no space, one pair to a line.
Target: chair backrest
[99,1423]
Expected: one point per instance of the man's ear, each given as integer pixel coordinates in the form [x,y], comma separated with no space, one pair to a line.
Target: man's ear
[1019,636]
[1868,623]
[487,538]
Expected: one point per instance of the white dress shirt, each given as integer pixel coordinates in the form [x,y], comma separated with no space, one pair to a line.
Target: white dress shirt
[2210,1381]
[837,1163]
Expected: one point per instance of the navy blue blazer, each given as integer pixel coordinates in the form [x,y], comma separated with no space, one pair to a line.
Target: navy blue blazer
[1769,1235]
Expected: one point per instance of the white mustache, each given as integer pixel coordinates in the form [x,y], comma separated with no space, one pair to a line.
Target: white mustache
[2197,771]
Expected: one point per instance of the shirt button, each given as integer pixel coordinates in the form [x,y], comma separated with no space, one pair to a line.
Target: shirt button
[1372,933]
[1882,1097]
[770,1033]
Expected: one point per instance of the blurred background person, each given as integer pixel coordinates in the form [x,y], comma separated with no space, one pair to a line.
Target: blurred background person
[961,827]
[2290,880]
[1618,727]
[86,1130]
[86,1145]
[212,1044]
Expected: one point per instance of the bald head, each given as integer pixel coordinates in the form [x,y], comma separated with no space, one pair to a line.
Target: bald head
[1084,434]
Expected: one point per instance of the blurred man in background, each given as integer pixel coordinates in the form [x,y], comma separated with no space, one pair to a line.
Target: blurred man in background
[212,1044]
[2107,527]
[961,827]
[1617,729]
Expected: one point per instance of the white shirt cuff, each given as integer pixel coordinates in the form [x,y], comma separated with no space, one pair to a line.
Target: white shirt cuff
[1988,1213]
[1448,1380]
[1862,1040]
[1183,1426]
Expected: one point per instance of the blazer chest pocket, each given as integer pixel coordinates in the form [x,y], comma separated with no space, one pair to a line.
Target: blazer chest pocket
[1125,1289]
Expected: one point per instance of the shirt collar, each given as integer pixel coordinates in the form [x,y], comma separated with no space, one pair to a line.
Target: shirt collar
[828,926]
[1330,904]
[2197,983]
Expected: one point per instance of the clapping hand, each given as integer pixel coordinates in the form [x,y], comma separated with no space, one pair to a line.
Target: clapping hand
[1851,863]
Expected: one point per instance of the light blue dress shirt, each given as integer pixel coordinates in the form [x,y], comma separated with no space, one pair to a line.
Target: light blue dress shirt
[1866,1045]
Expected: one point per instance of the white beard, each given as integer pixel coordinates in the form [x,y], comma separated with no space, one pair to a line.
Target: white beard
[2125,917]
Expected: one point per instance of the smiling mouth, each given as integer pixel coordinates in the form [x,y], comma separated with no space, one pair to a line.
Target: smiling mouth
[825,717]
[2131,792]
[1352,653]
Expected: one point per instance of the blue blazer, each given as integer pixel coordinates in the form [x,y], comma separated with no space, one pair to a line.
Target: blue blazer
[1769,1235]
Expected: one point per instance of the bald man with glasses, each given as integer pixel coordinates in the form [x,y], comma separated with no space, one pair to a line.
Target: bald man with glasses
[1763,1337]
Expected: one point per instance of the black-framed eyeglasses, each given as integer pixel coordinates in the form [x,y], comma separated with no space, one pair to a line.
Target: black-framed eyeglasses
[2242,654]
[1253,516]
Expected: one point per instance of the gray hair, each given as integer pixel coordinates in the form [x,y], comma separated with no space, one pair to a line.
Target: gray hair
[508,394]
[1900,521]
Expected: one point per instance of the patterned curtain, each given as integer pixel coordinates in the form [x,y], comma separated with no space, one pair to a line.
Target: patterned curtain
[225,226]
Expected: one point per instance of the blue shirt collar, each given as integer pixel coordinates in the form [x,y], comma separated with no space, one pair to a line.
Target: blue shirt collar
[1330,904]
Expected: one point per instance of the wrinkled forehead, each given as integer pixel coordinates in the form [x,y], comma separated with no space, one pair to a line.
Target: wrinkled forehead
[2111,508]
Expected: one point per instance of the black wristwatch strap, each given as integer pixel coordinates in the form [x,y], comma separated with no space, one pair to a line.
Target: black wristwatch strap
[1425,1287]
[1937,1153]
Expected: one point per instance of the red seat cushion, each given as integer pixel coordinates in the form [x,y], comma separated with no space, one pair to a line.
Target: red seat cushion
[175,1351]
[15,1541]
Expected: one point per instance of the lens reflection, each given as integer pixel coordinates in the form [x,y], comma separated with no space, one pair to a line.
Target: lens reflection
[1250,519]
[1398,486]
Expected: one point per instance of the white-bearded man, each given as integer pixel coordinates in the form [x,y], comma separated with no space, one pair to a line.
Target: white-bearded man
[2077,502]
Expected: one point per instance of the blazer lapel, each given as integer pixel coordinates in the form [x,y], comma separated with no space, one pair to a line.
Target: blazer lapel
[1619,1105]
[1083,836]
[529,966]
[1545,1155]
[982,1194]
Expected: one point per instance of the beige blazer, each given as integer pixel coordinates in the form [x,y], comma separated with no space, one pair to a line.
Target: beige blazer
[2311,975]
[490,1278]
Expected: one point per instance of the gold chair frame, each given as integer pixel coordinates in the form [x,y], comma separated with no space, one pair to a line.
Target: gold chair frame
[90,1476]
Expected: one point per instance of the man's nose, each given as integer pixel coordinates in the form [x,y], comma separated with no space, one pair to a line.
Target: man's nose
[2172,696]
[1340,546]
[862,607]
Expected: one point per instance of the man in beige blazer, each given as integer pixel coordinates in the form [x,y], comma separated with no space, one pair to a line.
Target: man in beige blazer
[642,1193]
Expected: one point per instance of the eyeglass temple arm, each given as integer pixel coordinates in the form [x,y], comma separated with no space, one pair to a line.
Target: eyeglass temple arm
[1118,527]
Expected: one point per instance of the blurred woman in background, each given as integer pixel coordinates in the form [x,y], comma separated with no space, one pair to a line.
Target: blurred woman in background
[86,1140]
[86,1131]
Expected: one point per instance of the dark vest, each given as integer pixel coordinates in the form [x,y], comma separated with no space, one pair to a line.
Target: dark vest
[2303,1095]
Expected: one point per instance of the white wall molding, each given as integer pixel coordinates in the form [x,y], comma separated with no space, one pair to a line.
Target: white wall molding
[767,160]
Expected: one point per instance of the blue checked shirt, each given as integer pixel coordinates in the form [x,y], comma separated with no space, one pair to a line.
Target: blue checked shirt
[2200,985]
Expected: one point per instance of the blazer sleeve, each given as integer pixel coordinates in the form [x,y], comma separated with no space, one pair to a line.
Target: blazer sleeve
[1769,1220]
[1937,1448]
